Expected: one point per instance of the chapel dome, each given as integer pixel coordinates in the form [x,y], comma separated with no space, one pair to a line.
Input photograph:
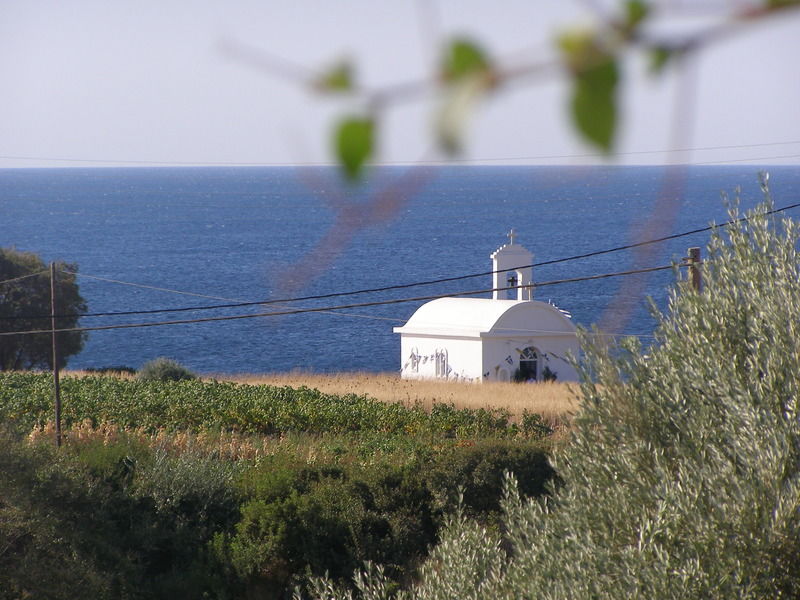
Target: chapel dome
[483,317]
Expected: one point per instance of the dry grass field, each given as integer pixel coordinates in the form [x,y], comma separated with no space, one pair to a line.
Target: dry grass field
[554,401]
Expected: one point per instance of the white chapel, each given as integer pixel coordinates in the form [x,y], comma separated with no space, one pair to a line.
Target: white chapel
[510,337]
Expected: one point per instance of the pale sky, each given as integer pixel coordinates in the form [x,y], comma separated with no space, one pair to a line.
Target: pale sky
[134,82]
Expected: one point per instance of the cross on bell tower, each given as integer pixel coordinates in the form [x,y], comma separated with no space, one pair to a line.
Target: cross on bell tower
[511,235]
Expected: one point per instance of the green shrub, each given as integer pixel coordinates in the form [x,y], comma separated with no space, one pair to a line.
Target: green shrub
[187,524]
[164,369]
[115,520]
[320,518]
[42,554]
[329,517]
[532,426]
[682,477]
[475,474]
[188,498]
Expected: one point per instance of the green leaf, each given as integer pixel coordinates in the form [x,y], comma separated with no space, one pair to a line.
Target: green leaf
[462,59]
[468,72]
[354,141]
[659,57]
[338,79]
[594,106]
[455,112]
[778,4]
[635,12]
[581,49]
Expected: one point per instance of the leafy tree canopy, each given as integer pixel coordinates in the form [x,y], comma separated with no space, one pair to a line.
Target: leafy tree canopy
[25,306]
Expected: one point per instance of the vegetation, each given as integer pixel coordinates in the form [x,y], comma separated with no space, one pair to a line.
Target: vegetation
[299,519]
[122,513]
[553,401]
[224,490]
[25,306]
[682,475]
[26,402]
[164,369]
[109,521]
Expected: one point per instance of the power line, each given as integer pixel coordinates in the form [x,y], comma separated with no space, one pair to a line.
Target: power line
[23,277]
[232,303]
[143,286]
[329,308]
[745,160]
[632,153]
[141,312]
[655,240]
[481,274]
[412,162]
[266,302]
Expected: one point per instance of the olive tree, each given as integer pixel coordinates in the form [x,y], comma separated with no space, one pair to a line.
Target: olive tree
[682,475]
[25,306]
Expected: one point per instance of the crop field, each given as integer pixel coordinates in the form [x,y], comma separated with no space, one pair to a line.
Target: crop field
[26,402]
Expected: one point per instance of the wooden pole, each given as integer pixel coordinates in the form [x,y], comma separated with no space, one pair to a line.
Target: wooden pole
[56,382]
[693,261]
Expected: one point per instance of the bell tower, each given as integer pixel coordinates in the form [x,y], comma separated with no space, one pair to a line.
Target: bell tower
[511,264]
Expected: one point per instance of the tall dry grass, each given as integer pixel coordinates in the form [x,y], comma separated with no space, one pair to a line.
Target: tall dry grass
[554,401]
[226,445]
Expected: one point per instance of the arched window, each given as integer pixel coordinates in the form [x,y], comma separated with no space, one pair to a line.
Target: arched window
[441,363]
[414,360]
[529,364]
[512,282]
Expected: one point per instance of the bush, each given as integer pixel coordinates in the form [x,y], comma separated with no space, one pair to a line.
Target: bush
[682,477]
[475,473]
[322,518]
[164,369]
[111,520]
[43,556]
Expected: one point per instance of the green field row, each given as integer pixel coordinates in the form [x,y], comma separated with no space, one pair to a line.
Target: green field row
[26,401]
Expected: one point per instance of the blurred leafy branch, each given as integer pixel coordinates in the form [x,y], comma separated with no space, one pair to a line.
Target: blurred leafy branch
[467,73]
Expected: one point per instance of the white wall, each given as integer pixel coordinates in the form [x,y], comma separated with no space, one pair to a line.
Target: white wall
[463,357]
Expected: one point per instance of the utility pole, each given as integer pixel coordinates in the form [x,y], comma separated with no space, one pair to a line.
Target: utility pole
[693,262]
[56,382]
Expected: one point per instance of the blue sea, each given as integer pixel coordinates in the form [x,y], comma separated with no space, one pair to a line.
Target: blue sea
[195,237]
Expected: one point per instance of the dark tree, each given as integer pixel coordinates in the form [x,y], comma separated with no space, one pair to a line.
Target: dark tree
[25,306]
